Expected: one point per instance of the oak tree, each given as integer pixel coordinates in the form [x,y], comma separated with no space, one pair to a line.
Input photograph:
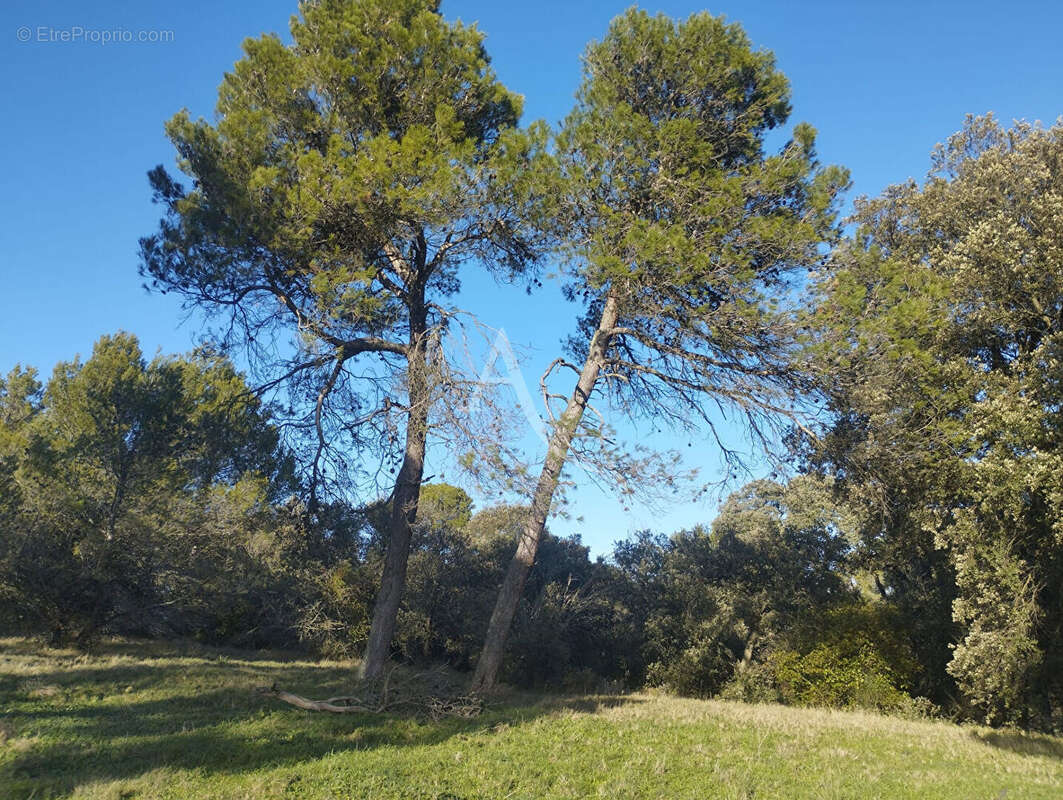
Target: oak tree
[939,330]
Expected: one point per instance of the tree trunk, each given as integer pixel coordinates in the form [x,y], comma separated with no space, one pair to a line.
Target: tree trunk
[403,506]
[483,679]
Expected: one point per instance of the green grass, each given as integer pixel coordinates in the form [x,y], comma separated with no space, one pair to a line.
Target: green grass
[153,721]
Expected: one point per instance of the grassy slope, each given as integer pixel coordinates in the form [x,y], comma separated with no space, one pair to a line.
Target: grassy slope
[151,721]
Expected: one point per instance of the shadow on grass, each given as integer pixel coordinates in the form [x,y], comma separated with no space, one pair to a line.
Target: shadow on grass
[95,723]
[589,704]
[1027,744]
[143,650]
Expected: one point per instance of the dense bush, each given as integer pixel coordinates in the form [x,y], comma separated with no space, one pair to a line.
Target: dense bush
[825,676]
[146,498]
[854,655]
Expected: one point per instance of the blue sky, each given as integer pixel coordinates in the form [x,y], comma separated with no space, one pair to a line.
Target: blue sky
[882,82]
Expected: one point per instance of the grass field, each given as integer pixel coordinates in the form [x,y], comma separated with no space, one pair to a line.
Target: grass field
[152,721]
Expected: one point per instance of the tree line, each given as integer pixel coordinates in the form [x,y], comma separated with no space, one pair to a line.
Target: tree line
[155,499]
[909,362]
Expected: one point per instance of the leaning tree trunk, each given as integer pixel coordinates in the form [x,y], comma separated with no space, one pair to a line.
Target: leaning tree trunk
[483,679]
[403,506]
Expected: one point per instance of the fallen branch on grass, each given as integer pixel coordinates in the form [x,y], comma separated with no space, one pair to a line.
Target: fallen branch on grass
[335,705]
[433,706]
[466,706]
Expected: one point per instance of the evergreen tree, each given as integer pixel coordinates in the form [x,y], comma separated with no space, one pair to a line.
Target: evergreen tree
[346,181]
[683,237]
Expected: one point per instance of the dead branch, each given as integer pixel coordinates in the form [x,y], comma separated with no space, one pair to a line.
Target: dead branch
[332,705]
[389,700]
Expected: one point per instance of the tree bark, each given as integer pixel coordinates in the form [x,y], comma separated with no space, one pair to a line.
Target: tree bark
[403,503]
[486,673]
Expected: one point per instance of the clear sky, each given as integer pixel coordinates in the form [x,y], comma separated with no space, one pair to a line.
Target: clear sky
[882,82]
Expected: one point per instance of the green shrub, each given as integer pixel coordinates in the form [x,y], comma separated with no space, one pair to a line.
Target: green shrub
[699,670]
[918,708]
[755,684]
[334,619]
[828,675]
[854,628]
